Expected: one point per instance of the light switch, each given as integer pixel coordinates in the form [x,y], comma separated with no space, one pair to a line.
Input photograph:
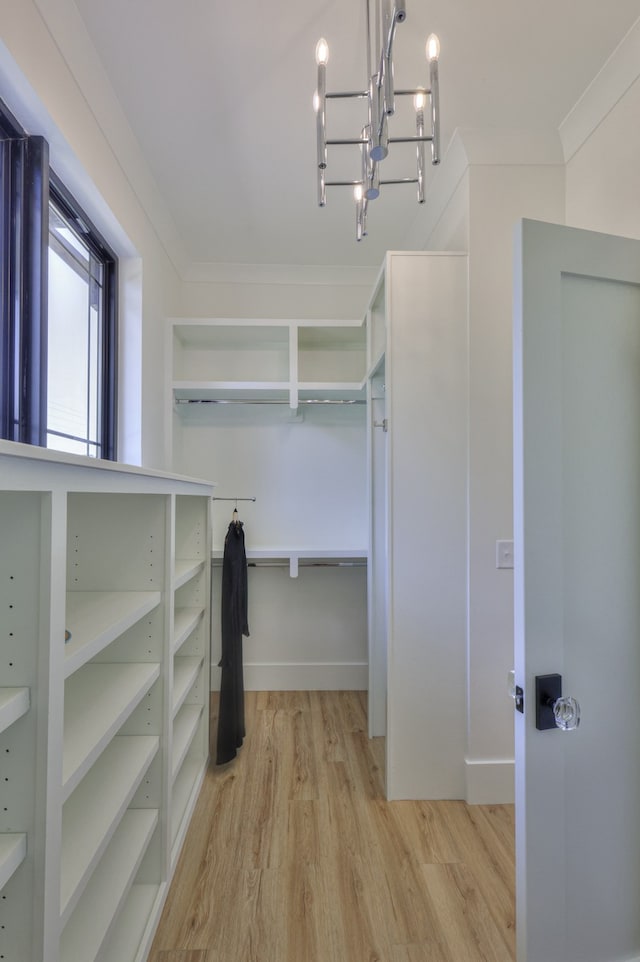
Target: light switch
[504,554]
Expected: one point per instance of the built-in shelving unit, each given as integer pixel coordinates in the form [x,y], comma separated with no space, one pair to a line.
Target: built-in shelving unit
[276,408]
[104,592]
[418,445]
[218,359]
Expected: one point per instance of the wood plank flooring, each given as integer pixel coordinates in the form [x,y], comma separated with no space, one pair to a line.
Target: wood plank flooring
[293,854]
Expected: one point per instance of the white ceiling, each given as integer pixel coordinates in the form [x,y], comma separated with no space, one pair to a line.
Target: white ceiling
[219,96]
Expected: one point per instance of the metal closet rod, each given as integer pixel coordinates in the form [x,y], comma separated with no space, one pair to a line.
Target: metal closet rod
[217,563]
[268,401]
[233,499]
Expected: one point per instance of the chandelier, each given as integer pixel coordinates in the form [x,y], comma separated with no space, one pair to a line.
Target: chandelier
[380,95]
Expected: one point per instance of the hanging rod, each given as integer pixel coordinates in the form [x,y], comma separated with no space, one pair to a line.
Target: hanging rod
[268,401]
[217,563]
[233,499]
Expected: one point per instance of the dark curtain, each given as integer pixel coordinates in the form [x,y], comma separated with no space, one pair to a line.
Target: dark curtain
[234,611]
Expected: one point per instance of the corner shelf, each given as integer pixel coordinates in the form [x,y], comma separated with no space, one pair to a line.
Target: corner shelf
[186,620]
[107,891]
[14,702]
[185,570]
[132,923]
[96,618]
[13,851]
[184,797]
[184,729]
[92,813]
[98,700]
[185,673]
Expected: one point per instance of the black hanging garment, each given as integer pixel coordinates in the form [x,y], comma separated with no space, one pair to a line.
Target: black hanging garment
[234,610]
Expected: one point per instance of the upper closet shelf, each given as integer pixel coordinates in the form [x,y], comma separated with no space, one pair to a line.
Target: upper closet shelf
[97,701]
[262,360]
[106,893]
[96,618]
[14,702]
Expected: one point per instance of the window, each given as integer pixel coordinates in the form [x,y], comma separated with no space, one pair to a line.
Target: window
[81,335]
[58,326]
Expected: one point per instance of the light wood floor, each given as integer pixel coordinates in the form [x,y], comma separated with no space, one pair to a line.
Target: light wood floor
[293,854]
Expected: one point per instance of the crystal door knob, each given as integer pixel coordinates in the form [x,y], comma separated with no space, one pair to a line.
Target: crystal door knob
[553,709]
[566,712]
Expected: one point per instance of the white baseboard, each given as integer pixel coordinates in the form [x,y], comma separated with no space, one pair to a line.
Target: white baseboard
[301,676]
[490,781]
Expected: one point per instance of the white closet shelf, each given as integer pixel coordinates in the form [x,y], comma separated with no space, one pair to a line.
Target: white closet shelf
[186,620]
[330,390]
[185,570]
[14,702]
[185,792]
[92,813]
[107,891]
[132,923]
[184,729]
[223,390]
[185,672]
[98,700]
[13,849]
[96,618]
[293,556]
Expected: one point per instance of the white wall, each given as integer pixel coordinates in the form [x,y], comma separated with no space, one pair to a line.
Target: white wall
[601,140]
[291,292]
[500,194]
[487,186]
[52,81]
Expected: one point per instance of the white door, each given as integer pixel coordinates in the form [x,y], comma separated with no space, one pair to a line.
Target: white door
[577,569]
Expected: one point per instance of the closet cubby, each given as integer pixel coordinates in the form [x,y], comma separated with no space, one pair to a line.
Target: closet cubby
[218,358]
[102,744]
[332,355]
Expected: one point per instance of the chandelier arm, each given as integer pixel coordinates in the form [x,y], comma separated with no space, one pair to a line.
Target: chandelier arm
[322,193]
[412,92]
[420,153]
[424,139]
[434,100]
[336,95]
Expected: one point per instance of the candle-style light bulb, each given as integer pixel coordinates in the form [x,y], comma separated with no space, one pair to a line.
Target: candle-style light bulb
[316,101]
[322,51]
[420,100]
[432,47]
[357,193]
